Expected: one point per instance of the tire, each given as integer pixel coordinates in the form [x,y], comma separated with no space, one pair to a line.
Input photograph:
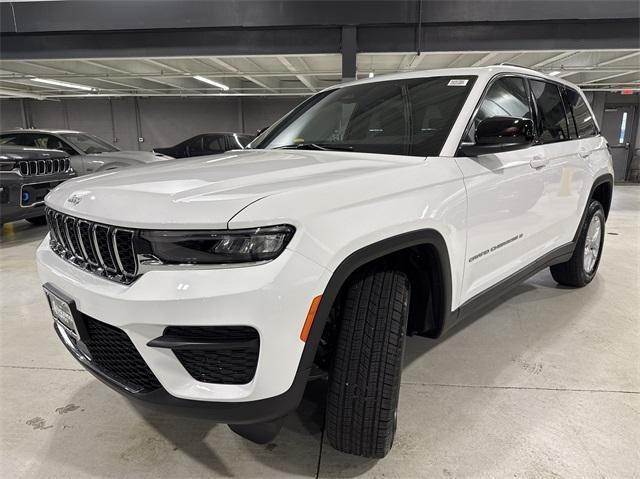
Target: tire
[38,220]
[583,265]
[364,383]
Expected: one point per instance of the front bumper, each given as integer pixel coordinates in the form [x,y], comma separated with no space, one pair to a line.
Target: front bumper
[14,207]
[273,298]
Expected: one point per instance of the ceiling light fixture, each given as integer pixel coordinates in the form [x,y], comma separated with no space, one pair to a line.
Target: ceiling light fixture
[64,84]
[211,82]
[554,73]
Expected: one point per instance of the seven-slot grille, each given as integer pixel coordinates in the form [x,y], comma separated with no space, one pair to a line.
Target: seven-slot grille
[44,167]
[102,249]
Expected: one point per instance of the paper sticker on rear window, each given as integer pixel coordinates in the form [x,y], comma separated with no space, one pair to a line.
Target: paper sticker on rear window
[458,82]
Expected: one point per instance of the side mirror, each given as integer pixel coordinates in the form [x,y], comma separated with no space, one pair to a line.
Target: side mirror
[500,133]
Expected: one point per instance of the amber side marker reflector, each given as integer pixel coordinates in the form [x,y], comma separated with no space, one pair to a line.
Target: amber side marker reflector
[304,334]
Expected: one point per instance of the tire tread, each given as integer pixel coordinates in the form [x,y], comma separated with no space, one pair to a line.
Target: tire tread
[365,380]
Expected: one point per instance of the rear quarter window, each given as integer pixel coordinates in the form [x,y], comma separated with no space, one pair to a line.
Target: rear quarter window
[584,124]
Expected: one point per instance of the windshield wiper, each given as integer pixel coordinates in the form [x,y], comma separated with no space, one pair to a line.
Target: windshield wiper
[314,146]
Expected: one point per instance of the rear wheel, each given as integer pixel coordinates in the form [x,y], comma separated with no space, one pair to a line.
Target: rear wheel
[364,383]
[583,265]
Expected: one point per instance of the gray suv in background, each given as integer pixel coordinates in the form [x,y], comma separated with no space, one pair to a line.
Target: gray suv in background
[88,153]
[26,177]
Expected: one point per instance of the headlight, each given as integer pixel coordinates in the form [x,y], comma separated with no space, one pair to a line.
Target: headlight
[7,165]
[217,247]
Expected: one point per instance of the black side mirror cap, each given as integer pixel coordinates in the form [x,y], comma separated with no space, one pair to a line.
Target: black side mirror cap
[498,134]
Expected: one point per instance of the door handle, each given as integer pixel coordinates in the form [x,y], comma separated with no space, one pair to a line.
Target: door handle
[538,162]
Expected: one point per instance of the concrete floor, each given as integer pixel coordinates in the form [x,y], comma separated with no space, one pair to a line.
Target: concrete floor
[547,384]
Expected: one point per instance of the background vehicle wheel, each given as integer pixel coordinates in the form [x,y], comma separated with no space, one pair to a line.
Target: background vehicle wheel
[365,380]
[582,267]
[38,220]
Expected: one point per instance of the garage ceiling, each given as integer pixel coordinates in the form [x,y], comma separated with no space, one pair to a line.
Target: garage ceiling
[289,75]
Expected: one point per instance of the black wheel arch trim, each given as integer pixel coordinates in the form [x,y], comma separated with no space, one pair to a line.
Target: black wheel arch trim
[361,257]
[607,178]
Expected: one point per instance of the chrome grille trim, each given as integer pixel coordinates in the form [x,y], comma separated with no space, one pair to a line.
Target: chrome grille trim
[93,246]
[101,242]
[87,245]
[44,167]
[59,219]
[126,270]
[72,236]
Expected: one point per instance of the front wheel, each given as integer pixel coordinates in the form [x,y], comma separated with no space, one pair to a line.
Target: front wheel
[364,383]
[583,265]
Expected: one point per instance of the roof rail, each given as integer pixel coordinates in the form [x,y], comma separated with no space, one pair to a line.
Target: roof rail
[505,64]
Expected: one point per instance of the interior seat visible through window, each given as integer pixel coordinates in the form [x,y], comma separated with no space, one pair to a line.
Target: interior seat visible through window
[507,96]
[54,143]
[552,122]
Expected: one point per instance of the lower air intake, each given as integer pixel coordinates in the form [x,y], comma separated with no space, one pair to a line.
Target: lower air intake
[232,365]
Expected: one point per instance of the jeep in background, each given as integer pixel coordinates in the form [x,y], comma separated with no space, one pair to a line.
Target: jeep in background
[386,207]
[88,153]
[26,176]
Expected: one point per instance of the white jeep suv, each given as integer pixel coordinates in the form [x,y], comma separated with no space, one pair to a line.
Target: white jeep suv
[375,209]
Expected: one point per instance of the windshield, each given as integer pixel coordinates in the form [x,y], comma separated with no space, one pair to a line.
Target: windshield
[397,117]
[89,144]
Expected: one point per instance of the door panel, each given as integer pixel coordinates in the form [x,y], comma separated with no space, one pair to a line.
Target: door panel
[565,173]
[617,125]
[565,181]
[504,194]
[505,206]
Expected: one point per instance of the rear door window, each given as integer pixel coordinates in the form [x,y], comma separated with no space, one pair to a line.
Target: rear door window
[551,122]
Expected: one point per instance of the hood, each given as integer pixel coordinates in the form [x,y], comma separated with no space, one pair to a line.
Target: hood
[207,191]
[137,156]
[15,153]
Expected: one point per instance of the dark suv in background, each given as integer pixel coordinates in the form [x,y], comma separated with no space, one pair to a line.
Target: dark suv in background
[26,176]
[207,144]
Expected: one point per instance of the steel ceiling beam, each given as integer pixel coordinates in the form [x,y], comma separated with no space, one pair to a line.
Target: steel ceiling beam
[249,77]
[608,77]
[302,78]
[20,94]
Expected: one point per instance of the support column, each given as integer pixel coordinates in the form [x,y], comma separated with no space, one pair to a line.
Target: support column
[349,50]
[25,113]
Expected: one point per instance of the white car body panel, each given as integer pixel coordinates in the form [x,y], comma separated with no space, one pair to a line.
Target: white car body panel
[280,290]
[339,203]
[192,193]
[333,220]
